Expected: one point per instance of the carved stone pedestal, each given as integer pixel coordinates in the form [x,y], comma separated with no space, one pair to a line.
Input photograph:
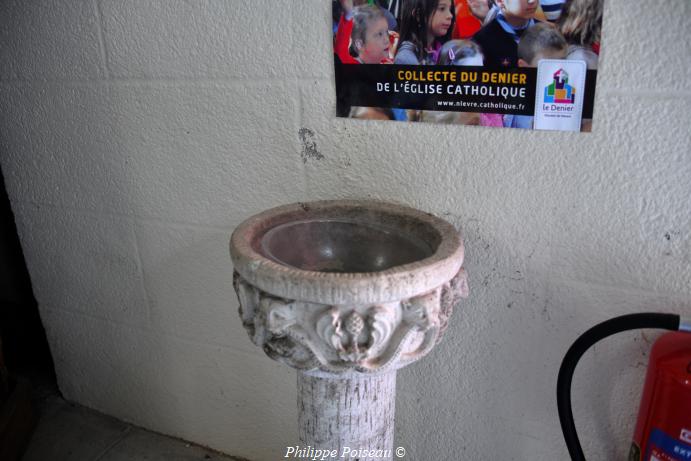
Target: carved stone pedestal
[347,292]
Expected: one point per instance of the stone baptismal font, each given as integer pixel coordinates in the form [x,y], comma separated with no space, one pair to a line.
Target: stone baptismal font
[347,292]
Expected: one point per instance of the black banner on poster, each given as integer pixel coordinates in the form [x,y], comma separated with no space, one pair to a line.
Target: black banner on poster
[474,89]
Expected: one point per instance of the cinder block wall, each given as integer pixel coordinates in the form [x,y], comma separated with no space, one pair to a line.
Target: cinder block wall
[134,135]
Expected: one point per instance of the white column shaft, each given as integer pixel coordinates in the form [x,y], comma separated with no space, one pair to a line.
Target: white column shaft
[355,413]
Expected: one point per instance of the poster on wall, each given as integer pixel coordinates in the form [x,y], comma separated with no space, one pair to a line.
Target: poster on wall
[528,64]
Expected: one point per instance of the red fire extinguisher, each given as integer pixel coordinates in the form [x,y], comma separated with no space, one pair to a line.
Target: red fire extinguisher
[663,429]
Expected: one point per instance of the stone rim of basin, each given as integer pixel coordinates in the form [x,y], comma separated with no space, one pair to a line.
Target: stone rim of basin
[260,268]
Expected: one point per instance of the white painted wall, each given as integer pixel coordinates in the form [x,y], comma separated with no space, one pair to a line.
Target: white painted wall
[134,136]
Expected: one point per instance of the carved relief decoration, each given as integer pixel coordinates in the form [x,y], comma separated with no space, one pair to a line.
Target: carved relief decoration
[338,339]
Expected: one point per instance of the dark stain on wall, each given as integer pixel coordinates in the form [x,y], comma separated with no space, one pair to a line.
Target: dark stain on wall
[309,145]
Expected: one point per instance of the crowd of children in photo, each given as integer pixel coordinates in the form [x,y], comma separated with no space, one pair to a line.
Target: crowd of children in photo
[494,33]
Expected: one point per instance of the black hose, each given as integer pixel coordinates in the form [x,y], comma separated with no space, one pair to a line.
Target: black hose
[576,351]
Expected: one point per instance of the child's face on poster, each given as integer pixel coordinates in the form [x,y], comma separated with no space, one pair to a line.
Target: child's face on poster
[441,20]
[376,46]
[523,9]
[479,8]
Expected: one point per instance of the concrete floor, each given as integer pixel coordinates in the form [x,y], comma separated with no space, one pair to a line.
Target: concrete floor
[68,432]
